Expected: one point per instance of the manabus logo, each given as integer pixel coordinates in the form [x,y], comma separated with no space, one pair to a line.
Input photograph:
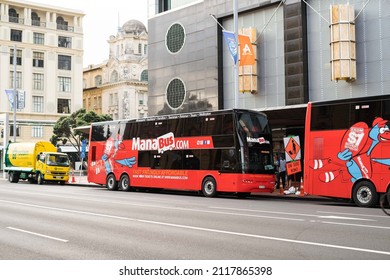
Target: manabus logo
[260,140]
[163,143]
[166,142]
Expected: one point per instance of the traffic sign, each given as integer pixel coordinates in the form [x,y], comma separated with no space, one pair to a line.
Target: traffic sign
[292,148]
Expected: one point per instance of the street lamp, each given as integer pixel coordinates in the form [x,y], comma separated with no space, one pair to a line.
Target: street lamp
[14,86]
[14,94]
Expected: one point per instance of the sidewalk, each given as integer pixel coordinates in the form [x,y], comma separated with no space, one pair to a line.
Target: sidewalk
[80,180]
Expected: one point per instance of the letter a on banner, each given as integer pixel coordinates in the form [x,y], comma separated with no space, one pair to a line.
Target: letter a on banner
[231,43]
[247,56]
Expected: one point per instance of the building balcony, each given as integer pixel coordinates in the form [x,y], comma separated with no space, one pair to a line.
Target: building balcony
[16,20]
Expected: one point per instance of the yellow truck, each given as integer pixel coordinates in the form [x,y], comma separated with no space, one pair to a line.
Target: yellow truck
[36,162]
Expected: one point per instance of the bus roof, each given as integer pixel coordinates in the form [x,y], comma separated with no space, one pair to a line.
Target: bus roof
[182,116]
[350,100]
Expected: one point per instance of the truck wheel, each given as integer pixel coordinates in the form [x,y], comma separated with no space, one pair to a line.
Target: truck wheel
[13,177]
[209,187]
[124,183]
[39,179]
[111,183]
[364,194]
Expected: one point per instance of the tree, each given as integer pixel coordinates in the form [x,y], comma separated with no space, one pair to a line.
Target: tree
[64,130]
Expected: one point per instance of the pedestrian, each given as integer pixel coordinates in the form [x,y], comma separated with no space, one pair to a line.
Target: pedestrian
[282,171]
[276,164]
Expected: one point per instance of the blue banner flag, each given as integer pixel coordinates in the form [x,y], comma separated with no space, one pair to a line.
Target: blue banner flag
[83,148]
[10,95]
[231,42]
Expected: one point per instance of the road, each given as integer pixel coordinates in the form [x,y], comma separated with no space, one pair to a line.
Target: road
[55,222]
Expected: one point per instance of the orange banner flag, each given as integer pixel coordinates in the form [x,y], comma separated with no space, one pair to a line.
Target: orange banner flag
[247,56]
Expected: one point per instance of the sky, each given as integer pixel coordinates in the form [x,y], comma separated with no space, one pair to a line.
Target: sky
[101,21]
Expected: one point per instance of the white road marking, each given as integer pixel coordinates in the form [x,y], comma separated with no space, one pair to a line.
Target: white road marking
[38,234]
[295,214]
[344,218]
[354,214]
[355,225]
[203,229]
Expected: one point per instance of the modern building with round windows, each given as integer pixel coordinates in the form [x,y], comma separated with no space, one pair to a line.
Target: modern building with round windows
[303,51]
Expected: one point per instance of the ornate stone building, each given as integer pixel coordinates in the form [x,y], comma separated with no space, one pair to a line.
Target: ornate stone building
[49,65]
[119,86]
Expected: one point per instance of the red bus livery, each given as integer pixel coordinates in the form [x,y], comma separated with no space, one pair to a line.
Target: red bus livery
[347,149]
[221,151]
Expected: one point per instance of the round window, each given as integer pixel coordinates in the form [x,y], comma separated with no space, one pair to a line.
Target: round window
[175,38]
[176,93]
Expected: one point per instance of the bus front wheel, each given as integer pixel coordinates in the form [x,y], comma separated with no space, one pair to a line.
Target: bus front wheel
[124,183]
[365,195]
[111,183]
[209,187]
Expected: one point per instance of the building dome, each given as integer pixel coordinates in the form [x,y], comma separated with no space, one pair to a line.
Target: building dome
[133,26]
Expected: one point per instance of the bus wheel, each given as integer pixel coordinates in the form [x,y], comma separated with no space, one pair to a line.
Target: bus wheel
[209,187]
[124,183]
[111,183]
[364,194]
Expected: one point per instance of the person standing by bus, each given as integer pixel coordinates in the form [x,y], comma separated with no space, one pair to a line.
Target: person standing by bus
[282,171]
[276,164]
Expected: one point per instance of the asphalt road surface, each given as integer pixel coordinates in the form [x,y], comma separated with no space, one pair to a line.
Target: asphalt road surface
[57,222]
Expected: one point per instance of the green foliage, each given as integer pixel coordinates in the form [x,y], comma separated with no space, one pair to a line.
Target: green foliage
[64,130]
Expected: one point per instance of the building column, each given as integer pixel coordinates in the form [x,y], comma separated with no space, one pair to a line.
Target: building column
[295,48]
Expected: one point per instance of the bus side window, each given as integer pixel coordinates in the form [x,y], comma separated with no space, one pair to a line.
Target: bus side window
[192,127]
[98,133]
[171,160]
[144,158]
[385,114]
[210,160]
[156,157]
[229,160]
[212,125]
[191,160]
[227,124]
[126,130]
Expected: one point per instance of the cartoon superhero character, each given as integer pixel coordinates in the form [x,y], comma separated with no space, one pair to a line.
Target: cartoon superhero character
[112,146]
[356,152]
[110,149]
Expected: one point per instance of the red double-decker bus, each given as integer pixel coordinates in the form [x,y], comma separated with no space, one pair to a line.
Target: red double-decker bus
[347,149]
[221,151]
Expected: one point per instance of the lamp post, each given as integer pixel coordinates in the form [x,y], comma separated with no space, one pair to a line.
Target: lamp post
[15,94]
[235,70]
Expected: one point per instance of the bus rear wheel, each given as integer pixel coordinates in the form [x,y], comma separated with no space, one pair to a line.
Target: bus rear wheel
[209,187]
[124,183]
[364,194]
[111,182]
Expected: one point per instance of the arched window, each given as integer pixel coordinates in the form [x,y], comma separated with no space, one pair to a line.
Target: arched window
[35,19]
[13,15]
[144,76]
[114,77]
[98,80]
[61,23]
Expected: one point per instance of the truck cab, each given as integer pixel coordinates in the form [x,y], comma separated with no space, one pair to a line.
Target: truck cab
[52,167]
